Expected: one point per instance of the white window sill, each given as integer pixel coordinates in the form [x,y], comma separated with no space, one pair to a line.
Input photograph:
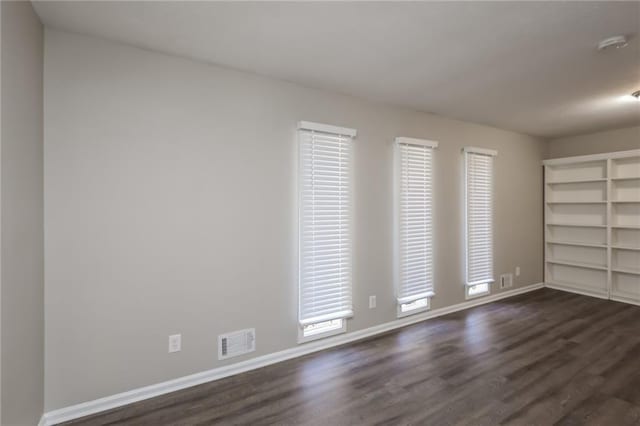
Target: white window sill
[405,313]
[321,335]
[477,295]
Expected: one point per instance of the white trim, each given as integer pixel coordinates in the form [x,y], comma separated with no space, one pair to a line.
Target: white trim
[414,141]
[327,128]
[592,157]
[481,151]
[118,400]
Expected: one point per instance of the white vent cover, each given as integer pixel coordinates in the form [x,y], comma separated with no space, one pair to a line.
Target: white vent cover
[236,343]
[506,280]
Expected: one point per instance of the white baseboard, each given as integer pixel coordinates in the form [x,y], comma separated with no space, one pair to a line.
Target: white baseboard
[118,400]
[576,291]
[614,297]
[622,299]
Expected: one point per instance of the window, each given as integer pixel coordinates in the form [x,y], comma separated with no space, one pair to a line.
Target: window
[415,224]
[479,220]
[325,229]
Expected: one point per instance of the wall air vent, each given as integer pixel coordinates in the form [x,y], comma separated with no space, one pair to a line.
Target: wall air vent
[506,280]
[236,343]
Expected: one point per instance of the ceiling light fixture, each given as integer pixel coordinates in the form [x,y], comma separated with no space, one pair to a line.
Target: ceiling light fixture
[617,42]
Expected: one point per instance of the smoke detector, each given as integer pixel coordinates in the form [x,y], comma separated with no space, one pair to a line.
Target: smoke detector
[617,42]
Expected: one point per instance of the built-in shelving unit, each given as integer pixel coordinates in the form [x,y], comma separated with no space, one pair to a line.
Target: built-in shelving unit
[592,225]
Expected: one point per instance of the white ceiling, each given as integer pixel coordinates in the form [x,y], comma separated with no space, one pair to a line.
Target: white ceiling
[532,67]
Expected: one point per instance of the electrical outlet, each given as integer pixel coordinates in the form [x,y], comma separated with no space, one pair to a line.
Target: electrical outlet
[517,271]
[372,302]
[175,343]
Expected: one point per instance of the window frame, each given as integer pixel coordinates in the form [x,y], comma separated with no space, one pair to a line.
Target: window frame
[306,126]
[469,286]
[423,303]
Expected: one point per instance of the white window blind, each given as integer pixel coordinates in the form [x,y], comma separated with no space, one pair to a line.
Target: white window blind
[325,222]
[415,224]
[479,215]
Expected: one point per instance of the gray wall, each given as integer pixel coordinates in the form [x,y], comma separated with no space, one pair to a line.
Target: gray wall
[595,143]
[170,188]
[22,276]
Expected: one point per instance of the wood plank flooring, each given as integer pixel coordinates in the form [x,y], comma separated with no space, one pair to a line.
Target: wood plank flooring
[542,358]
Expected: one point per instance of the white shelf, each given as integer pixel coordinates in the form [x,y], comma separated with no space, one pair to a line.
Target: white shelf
[577,244]
[562,182]
[626,271]
[626,178]
[626,201]
[578,264]
[575,225]
[576,202]
[625,226]
[630,248]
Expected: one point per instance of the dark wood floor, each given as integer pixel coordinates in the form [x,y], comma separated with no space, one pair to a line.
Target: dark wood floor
[543,358]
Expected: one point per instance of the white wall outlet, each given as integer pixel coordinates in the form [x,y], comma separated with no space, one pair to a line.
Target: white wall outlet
[506,280]
[372,302]
[517,271]
[175,343]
